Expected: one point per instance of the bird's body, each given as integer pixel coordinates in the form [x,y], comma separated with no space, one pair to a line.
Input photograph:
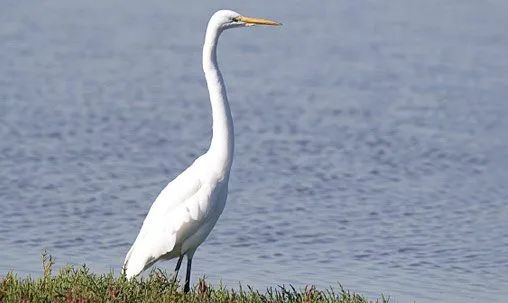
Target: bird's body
[181,217]
[186,210]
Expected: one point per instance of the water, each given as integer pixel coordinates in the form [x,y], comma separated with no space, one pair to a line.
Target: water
[371,144]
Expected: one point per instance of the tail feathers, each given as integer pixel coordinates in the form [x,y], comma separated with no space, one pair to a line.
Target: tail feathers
[145,252]
[135,263]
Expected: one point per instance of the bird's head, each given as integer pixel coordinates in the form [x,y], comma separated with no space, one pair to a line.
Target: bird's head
[225,19]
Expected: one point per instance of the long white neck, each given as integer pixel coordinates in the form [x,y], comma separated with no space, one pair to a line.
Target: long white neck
[222,145]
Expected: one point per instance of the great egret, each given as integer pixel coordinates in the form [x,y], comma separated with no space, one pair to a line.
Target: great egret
[186,210]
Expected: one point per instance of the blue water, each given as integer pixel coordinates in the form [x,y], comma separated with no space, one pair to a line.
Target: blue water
[371,140]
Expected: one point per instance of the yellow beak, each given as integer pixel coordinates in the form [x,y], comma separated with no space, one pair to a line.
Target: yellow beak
[254,21]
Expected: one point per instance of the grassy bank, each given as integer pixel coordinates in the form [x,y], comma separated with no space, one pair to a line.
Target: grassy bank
[77,284]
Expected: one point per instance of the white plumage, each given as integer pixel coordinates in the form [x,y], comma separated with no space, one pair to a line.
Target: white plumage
[186,210]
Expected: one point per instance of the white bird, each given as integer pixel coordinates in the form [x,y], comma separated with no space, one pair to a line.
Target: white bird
[186,210]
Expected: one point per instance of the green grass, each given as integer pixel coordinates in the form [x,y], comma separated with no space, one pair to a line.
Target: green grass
[79,285]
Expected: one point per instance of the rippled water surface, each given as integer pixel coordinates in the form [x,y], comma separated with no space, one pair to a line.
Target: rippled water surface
[371,139]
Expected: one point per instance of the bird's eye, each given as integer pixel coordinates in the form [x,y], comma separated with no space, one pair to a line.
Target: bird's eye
[235,19]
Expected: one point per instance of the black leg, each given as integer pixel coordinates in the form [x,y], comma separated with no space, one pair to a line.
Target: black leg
[186,288]
[177,268]
[178,264]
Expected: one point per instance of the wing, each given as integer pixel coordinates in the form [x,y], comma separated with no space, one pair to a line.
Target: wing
[174,216]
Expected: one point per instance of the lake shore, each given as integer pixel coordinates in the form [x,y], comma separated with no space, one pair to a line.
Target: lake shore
[78,284]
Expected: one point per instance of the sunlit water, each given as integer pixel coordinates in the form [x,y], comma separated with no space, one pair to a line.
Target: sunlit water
[371,144]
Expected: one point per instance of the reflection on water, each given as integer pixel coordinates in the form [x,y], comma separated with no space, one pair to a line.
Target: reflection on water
[371,145]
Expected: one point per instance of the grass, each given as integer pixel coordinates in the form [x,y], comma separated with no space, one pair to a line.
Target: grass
[79,285]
